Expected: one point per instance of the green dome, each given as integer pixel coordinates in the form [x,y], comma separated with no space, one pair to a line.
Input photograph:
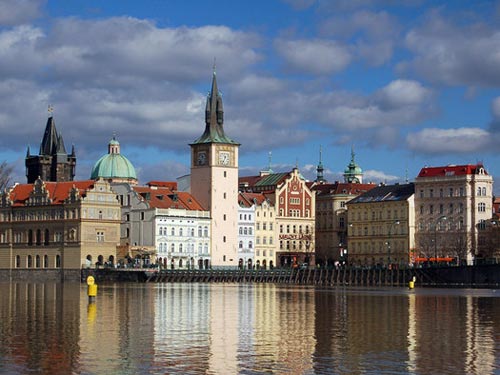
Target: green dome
[113,165]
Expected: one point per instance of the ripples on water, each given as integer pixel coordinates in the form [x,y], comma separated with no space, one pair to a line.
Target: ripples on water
[247,329]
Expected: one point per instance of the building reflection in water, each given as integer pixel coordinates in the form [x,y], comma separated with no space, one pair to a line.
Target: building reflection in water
[231,328]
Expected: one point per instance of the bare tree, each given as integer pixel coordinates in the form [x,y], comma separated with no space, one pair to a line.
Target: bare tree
[458,245]
[5,174]
[424,245]
[489,240]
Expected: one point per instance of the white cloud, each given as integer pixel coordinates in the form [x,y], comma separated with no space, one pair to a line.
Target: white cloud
[452,54]
[313,56]
[400,93]
[446,141]
[375,176]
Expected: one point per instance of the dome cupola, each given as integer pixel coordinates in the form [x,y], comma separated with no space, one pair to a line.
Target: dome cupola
[114,167]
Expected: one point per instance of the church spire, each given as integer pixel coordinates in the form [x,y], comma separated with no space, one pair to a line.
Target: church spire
[319,168]
[214,117]
[353,173]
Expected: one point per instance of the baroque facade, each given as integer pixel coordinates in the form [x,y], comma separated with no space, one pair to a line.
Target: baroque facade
[294,218]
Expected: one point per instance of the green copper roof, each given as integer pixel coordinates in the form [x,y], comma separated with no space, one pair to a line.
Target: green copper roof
[113,165]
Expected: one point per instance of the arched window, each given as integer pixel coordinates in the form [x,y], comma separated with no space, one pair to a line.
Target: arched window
[37,261]
[58,261]
[45,261]
[30,261]
[172,248]
[484,191]
[241,230]
[250,245]
[180,248]
[241,245]
[30,237]
[199,231]
[481,207]
[192,232]
[173,232]
[180,232]
[18,261]
[46,237]
[205,231]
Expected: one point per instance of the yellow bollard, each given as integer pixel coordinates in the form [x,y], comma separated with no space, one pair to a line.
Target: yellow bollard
[91,289]
[411,284]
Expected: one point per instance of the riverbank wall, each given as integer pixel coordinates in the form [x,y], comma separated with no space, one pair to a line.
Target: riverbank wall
[480,276]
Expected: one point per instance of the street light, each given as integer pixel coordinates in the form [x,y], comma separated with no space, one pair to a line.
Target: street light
[435,235]
[389,242]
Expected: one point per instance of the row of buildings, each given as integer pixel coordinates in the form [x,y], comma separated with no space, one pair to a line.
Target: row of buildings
[221,219]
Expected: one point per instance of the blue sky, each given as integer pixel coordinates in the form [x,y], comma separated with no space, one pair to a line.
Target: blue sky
[408,84]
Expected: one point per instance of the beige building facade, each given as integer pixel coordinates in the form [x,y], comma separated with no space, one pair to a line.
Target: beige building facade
[382,227]
[58,226]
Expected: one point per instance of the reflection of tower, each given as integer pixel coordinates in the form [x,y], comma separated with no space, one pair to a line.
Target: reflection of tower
[214,180]
[52,162]
[353,173]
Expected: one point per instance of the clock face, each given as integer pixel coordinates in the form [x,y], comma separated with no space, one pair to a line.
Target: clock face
[202,158]
[224,158]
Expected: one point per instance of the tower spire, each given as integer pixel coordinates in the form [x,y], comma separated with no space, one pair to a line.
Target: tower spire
[214,116]
[319,168]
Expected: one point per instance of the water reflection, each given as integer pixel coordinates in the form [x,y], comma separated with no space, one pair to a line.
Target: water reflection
[246,329]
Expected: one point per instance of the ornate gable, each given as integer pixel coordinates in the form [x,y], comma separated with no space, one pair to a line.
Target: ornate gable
[39,195]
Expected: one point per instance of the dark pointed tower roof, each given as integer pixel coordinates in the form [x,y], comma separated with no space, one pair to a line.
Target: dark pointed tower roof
[50,138]
[214,118]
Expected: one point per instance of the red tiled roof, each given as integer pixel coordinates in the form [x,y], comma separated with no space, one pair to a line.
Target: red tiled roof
[168,184]
[58,191]
[248,199]
[163,197]
[451,170]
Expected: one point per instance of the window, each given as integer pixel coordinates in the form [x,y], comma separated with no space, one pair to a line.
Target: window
[181,232]
[100,236]
[461,192]
[450,192]
[431,193]
[441,193]
[484,191]
[342,204]
[205,231]
[421,209]
[18,261]
[58,261]
[250,245]
[241,245]
[199,232]
[37,261]
[431,209]
[45,261]
[441,208]
[481,207]
[479,191]
[482,224]
[450,209]
[421,193]
[241,231]
[30,261]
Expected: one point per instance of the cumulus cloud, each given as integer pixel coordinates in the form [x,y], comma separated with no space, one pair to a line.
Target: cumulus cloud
[375,176]
[449,141]
[372,35]
[454,54]
[15,12]
[313,56]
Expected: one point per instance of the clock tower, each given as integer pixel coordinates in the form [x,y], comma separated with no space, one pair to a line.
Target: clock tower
[214,181]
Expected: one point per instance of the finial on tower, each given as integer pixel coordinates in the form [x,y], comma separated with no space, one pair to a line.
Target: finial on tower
[50,110]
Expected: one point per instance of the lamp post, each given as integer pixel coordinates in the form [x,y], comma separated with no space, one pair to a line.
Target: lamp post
[441,218]
[389,242]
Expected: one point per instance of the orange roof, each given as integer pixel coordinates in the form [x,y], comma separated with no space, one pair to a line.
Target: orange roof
[163,197]
[168,184]
[451,170]
[58,191]
[249,199]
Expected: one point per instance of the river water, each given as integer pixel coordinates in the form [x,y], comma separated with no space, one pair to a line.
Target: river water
[247,329]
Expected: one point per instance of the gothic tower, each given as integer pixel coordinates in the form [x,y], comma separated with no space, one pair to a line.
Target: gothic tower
[52,162]
[214,180]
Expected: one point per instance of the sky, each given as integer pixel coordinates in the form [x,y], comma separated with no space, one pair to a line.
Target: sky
[405,84]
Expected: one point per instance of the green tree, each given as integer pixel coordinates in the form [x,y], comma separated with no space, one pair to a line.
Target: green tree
[5,174]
